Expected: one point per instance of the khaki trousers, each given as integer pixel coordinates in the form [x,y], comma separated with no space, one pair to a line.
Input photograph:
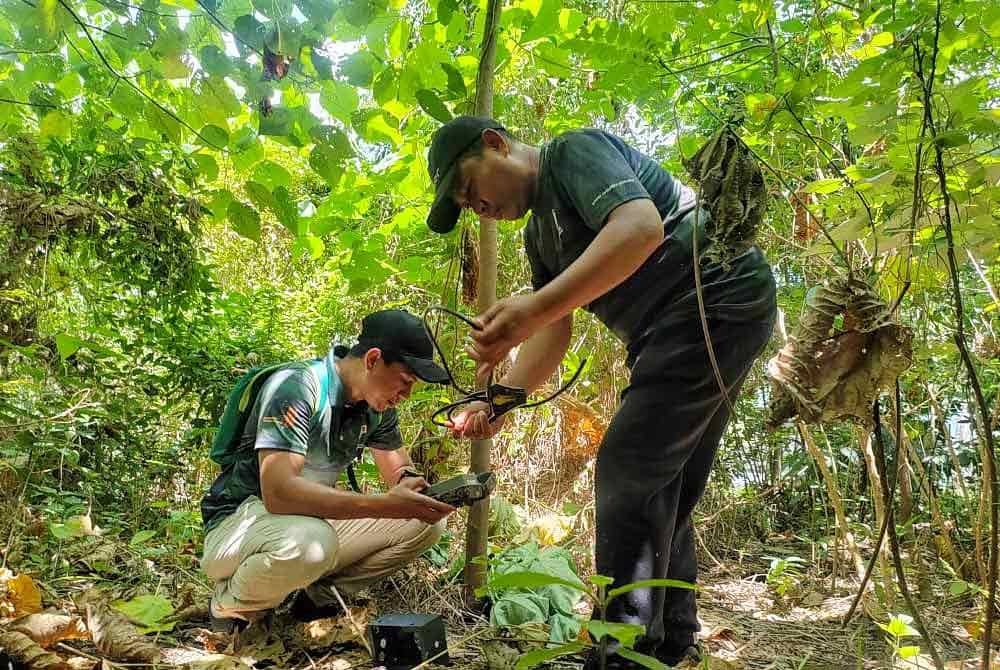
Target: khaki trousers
[257,558]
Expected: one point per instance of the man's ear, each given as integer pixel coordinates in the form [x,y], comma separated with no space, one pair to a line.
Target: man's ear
[372,357]
[496,141]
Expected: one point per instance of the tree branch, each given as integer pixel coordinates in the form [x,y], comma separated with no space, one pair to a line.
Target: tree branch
[127,80]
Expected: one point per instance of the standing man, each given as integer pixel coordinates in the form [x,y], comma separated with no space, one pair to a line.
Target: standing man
[274,520]
[611,231]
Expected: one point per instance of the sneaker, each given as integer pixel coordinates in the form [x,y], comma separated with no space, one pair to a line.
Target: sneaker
[304,610]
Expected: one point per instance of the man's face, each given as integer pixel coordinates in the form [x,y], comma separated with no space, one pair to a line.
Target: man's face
[494,184]
[386,385]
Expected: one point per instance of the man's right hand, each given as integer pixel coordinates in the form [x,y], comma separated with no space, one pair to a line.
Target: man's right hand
[474,422]
[404,501]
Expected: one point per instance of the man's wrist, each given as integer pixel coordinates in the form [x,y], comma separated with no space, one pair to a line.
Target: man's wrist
[407,472]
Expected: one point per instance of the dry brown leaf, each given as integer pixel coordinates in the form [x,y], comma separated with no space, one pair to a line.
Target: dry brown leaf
[118,639]
[81,663]
[47,628]
[24,595]
[22,648]
[325,633]
[217,662]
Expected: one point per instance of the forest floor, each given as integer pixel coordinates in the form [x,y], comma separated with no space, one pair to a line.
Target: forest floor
[744,627]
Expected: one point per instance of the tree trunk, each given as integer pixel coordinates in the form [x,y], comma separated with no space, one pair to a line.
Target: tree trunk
[479,516]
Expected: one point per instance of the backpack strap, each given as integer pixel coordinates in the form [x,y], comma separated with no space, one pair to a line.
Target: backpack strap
[321,369]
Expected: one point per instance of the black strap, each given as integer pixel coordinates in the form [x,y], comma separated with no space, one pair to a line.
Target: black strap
[352,478]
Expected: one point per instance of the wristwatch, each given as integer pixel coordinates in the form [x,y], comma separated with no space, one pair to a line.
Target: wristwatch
[408,473]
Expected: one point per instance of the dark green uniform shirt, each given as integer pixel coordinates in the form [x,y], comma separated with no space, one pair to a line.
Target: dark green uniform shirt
[283,418]
[583,176]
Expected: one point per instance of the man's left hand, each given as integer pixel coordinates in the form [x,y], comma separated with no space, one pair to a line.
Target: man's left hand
[504,326]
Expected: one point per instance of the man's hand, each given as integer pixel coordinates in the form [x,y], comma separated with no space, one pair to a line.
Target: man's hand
[404,501]
[474,423]
[504,326]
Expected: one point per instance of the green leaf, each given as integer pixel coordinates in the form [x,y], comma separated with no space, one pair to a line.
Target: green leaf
[642,659]
[531,580]
[47,16]
[339,99]
[334,138]
[308,245]
[533,659]
[626,633]
[909,651]
[286,210]
[546,22]
[431,103]
[250,34]
[208,169]
[214,61]
[651,584]
[271,175]
[214,136]
[358,69]
[824,186]
[456,82]
[147,611]
[899,626]
[277,123]
[326,163]
[274,9]
[67,345]
[601,580]
[951,138]
[141,537]
[259,195]
[285,38]
[245,220]
[55,124]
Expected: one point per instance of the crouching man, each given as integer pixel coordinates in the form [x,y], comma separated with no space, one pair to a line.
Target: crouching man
[274,520]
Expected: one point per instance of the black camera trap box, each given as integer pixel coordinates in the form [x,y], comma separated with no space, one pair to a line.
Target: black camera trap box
[401,641]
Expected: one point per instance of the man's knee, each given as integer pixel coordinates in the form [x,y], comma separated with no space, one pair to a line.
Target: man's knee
[308,546]
[422,537]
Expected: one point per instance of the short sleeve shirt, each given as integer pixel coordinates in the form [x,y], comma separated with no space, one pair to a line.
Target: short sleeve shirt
[286,416]
[584,175]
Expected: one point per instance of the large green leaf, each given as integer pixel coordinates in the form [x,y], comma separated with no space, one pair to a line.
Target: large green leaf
[626,633]
[652,584]
[531,580]
[359,69]
[286,209]
[536,657]
[245,220]
[546,22]
[250,34]
[214,136]
[259,195]
[147,611]
[339,99]
[643,660]
[431,103]
[327,163]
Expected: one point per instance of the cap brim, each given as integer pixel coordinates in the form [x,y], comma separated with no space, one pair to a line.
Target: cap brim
[426,369]
[444,212]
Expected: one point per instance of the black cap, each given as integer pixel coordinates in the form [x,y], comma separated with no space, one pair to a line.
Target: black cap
[451,141]
[401,333]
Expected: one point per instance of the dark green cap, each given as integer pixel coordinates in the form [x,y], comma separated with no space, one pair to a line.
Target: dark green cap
[451,141]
